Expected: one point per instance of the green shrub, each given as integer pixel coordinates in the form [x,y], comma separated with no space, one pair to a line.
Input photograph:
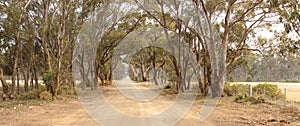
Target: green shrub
[241,97]
[259,99]
[31,95]
[45,95]
[231,79]
[251,99]
[249,78]
[66,90]
[234,89]
[268,90]
[49,79]
[42,87]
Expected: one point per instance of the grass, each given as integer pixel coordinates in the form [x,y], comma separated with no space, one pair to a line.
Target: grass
[293,102]
[292,92]
[30,98]
[14,103]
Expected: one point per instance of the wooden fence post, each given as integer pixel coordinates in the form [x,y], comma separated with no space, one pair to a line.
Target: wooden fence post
[284,95]
[250,90]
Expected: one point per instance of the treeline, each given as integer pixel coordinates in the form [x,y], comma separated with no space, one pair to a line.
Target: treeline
[37,37]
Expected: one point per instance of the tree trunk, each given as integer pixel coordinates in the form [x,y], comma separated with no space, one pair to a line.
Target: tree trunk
[57,84]
[25,78]
[31,80]
[18,82]
[46,34]
[3,81]
[15,67]
[36,78]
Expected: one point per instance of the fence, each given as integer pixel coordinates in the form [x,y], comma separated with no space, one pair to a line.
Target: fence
[291,91]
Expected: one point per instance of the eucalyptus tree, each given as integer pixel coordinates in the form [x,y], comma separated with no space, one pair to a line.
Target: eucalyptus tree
[3,46]
[148,62]
[111,39]
[61,23]
[290,18]
[44,32]
[12,31]
[235,21]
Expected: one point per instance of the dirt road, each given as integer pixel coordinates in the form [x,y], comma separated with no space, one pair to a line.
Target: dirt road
[70,112]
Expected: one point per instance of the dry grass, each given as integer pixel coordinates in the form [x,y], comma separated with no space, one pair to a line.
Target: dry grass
[292,92]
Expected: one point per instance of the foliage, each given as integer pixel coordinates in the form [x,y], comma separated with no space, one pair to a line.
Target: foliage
[241,97]
[259,99]
[66,90]
[49,79]
[231,79]
[45,32]
[45,95]
[244,97]
[249,78]
[234,89]
[290,81]
[148,63]
[270,67]
[268,90]
[31,95]
[260,92]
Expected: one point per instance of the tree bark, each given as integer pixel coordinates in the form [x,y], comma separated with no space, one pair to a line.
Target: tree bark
[15,67]
[3,81]
[36,78]
[18,82]
[45,35]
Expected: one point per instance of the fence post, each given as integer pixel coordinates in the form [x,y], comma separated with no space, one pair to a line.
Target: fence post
[250,89]
[264,92]
[284,95]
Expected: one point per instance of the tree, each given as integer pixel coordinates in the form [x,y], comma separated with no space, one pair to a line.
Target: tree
[290,17]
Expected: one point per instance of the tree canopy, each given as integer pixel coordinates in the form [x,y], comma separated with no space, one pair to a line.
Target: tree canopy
[37,39]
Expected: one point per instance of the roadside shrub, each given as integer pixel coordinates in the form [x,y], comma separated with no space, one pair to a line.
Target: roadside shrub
[268,90]
[45,95]
[259,99]
[251,99]
[49,79]
[66,90]
[242,97]
[231,79]
[42,87]
[31,95]
[234,89]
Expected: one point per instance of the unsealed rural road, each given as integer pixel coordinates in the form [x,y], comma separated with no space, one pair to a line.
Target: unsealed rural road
[71,112]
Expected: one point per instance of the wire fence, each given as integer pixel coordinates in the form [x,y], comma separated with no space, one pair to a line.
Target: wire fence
[291,91]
